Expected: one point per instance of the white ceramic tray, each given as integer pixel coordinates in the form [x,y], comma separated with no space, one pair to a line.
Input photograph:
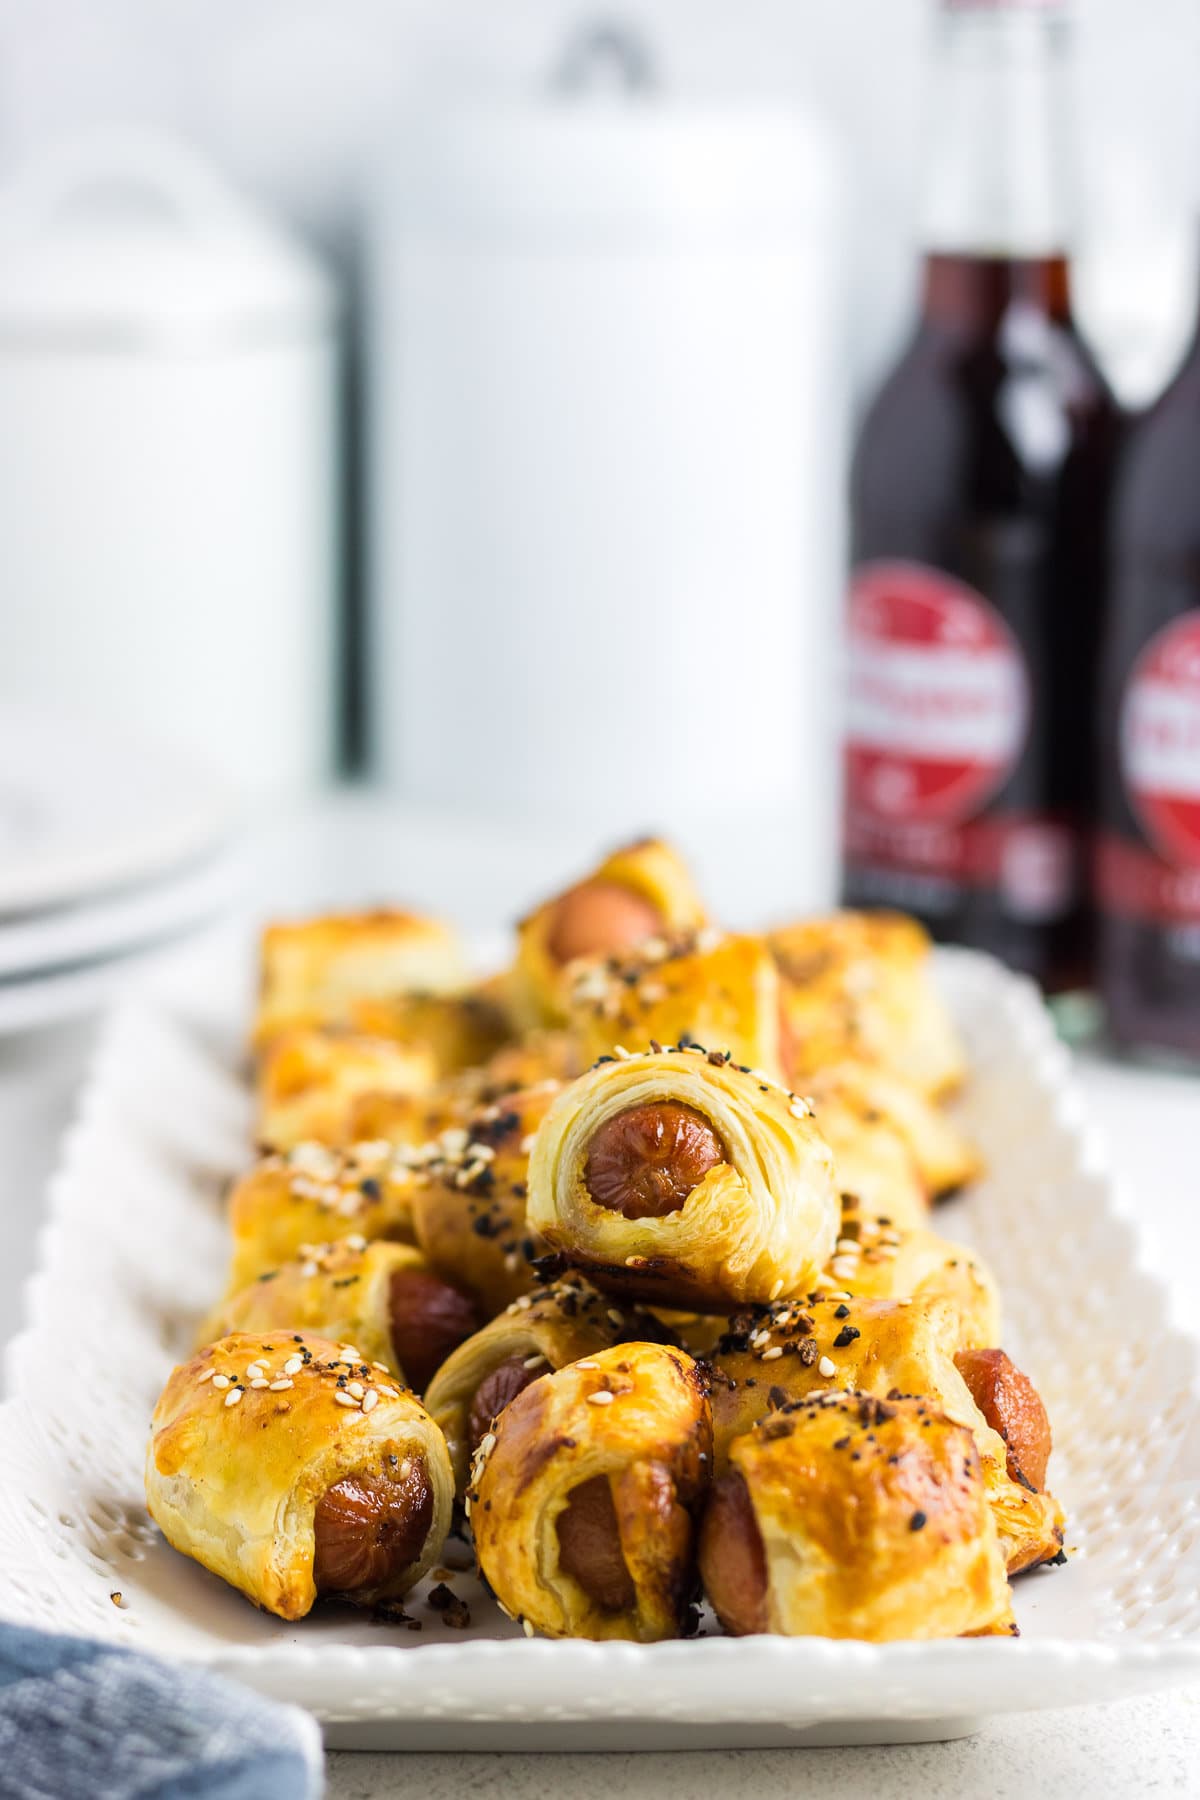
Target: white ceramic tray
[134,1250]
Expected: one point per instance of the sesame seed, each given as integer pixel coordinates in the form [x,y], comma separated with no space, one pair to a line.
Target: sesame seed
[487,1444]
[208,1375]
[620,1051]
[344,1399]
[233,1396]
[255,1368]
[587,1363]
[308,1268]
[370,1400]
[601,1397]
[799,1109]
[293,1365]
[531,1362]
[382,1367]
[355,1388]
[404,1471]
[220,1381]
[277,1387]
[777,1289]
[349,1353]
[847,1246]
[827,1367]
[526,1627]
[260,1381]
[527,1143]
[771,1354]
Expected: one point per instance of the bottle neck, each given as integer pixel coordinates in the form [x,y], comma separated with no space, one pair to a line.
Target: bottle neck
[997,179]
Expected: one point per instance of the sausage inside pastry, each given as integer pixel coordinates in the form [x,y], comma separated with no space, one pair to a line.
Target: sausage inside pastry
[682,1180]
[853,1101]
[383,1298]
[775,1354]
[584,1496]
[312,971]
[641,891]
[694,987]
[308,1081]
[469,1202]
[878,1260]
[857,985]
[541,1060]
[291,1468]
[541,1331]
[460,1031]
[846,1516]
[313,1194]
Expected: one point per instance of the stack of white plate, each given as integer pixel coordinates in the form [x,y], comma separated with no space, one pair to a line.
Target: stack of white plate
[110,854]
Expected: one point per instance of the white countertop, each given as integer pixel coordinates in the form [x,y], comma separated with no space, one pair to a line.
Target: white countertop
[1149,1121]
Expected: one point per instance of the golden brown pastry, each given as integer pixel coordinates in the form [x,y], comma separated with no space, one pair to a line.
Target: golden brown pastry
[585,1494]
[679,1179]
[290,1467]
[858,985]
[308,1080]
[544,1058]
[553,1325]
[877,1260]
[313,1194]
[873,1162]
[855,1101]
[641,891]
[382,1297]
[469,1204]
[847,1516]
[459,1030]
[695,987]
[775,1354]
[313,970]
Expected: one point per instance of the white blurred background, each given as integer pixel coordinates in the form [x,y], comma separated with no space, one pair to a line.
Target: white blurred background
[299,99]
[505,479]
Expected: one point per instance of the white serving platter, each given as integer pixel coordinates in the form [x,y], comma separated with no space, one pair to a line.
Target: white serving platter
[134,1250]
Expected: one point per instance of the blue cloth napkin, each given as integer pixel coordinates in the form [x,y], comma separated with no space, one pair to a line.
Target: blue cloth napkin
[83,1721]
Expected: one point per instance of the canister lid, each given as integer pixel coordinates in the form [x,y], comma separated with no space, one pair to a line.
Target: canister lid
[130,241]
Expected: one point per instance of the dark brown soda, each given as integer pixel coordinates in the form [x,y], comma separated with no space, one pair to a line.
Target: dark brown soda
[988,455]
[1150,967]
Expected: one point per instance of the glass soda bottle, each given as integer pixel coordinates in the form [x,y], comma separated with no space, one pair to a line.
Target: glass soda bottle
[1148,846]
[979,492]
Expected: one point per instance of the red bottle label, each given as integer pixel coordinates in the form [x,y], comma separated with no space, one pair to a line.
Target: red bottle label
[1160,767]
[938,715]
[939,700]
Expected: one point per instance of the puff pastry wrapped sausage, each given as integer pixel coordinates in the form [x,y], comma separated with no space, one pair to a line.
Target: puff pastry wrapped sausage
[544,1330]
[309,1080]
[693,987]
[640,891]
[459,1031]
[879,1260]
[776,1354]
[585,1495]
[469,1203]
[312,1194]
[857,985]
[313,970]
[383,1298]
[846,1516]
[857,1101]
[680,1179]
[289,1467]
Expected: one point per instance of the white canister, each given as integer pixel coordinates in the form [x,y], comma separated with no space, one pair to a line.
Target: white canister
[168,460]
[608,427]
